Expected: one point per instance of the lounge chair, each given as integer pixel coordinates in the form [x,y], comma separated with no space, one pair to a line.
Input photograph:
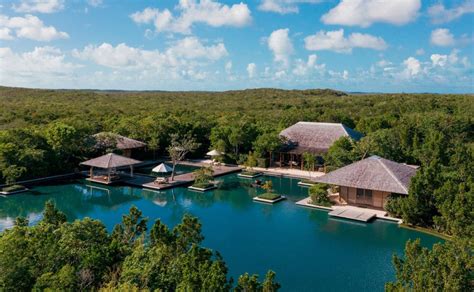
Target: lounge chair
[161,180]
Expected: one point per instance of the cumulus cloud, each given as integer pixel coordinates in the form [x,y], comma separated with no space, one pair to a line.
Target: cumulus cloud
[190,12]
[280,44]
[41,6]
[283,6]
[440,14]
[5,33]
[42,66]
[303,68]
[412,67]
[442,37]
[251,70]
[177,56]
[29,27]
[337,42]
[366,12]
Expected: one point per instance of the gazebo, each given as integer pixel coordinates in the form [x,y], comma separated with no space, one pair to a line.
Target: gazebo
[109,163]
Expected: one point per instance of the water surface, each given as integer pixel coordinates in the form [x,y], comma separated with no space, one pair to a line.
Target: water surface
[308,250]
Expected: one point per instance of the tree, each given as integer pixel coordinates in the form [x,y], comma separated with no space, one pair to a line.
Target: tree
[319,195]
[309,162]
[446,267]
[179,148]
[340,153]
[132,227]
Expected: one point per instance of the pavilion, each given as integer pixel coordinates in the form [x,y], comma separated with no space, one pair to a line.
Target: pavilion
[111,140]
[369,182]
[108,165]
[311,137]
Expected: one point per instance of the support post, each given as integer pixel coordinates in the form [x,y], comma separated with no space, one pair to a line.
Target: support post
[131,170]
[91,172]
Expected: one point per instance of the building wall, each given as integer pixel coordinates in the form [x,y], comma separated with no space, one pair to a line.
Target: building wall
[349,195]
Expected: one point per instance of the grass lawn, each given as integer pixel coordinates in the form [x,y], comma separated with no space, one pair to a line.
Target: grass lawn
[269,196]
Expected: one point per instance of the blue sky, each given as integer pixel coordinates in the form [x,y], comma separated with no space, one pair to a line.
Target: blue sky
[351,45]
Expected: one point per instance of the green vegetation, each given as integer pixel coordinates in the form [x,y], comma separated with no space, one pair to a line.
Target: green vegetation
[447,267]
[57,255]
[203,177]
[269,196]
[46,132]
[319,195]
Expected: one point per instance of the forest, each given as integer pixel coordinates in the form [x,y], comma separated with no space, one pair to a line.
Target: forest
[46,132]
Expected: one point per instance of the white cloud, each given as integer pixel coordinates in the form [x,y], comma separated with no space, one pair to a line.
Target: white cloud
[42,66]
[177,56]
[251,70]
[336,41]
[412,67]
[228,67]
[420,52]
[280,44]
[283,6]
[439,14]
[95,3]
[208,12]
[5,33]
[303,68]
[442,37]
[30,27]
[41,6]
[439,60]
[366,12]
[345,75]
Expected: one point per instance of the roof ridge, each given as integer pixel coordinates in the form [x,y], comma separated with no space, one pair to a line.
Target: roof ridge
[391,173]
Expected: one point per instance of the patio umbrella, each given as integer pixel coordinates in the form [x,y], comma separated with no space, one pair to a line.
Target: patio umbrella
[162,168]
[214,153]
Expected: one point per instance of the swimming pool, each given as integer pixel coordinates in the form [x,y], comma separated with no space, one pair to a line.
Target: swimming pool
[307,249]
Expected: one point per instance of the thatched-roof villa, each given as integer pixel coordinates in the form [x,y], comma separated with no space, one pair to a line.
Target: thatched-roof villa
[370,181]
[109,140]
[311,137]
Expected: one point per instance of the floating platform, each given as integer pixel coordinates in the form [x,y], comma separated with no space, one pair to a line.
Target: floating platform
[351,214]
[184,179]
[244,175]
[202,189]
[281,198]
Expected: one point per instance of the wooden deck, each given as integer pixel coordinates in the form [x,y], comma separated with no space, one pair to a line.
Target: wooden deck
[146,181]
[357,215]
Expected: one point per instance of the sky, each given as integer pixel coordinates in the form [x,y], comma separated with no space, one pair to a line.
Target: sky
[349,45]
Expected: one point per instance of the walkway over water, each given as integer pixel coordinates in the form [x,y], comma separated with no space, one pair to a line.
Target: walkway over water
[182,179]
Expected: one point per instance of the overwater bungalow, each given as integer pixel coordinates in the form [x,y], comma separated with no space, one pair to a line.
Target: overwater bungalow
[107,168]
[112,141]
[310,137]
[370,182]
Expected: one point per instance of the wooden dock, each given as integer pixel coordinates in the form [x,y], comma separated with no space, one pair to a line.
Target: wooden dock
[357,215]
[147,181]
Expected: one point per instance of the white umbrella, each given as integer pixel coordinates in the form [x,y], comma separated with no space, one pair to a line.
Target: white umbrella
[162,168]
[214,153]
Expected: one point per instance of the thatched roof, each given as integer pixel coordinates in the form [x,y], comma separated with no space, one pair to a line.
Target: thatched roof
[316,137]
[373,173]
[112,140]
[110,160]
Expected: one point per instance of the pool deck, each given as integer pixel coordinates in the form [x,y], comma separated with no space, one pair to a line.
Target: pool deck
[351,212]
[146,181]
[288,172]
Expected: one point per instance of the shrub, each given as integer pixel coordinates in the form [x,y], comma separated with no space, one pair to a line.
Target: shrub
[393,206]
[319,195]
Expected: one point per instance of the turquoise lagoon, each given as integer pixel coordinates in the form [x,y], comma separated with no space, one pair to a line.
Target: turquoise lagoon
[308,250]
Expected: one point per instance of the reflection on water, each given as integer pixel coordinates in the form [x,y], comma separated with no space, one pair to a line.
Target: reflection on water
[304,246]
